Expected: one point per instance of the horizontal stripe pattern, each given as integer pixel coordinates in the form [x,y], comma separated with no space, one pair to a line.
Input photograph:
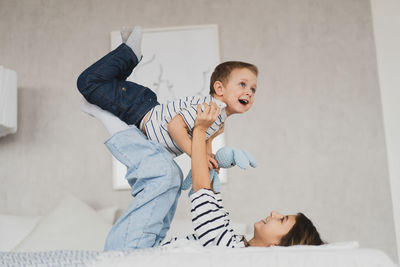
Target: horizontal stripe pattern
[211,221]
[157,125]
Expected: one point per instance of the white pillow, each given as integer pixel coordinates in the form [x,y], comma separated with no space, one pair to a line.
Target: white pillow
[72,225]
[343,244]
[14,228]
[335,245]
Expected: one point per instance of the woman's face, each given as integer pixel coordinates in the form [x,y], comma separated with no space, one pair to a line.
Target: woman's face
[271,229]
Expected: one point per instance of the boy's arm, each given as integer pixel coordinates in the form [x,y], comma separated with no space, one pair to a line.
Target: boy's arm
[211,138]
[177,128]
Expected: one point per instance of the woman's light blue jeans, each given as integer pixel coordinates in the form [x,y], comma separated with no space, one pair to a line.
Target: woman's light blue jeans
[156,180]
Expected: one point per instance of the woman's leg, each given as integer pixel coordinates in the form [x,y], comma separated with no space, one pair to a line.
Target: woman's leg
[155,179]
[104,85]
[167,220]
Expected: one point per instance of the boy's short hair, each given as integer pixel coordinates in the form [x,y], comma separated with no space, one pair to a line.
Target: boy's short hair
[223,71]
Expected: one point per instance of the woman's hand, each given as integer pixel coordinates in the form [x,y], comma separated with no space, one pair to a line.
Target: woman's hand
[205,118]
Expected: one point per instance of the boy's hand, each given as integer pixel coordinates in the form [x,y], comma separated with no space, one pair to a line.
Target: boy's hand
[212,163]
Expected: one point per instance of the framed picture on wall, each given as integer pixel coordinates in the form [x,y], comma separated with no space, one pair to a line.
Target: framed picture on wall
[177,62]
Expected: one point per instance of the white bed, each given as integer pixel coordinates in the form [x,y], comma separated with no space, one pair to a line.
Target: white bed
[193,255]
[73,234]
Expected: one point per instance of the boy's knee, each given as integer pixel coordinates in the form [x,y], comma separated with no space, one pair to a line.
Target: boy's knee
[166,171]
[176,176]
[86,82]
[81,82]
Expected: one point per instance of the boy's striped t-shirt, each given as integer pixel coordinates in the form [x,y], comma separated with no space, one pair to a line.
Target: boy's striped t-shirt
[157,124]
[211,222]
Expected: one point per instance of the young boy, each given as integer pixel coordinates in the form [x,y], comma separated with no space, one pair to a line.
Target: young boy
[232,87]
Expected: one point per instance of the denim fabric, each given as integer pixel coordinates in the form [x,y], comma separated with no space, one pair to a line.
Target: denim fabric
[156,180]
[104,84]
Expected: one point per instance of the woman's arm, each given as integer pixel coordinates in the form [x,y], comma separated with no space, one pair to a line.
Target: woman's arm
[210,220]
[200,172]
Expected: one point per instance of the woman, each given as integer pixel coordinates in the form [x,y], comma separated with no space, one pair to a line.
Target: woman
[210,220]
[156,180]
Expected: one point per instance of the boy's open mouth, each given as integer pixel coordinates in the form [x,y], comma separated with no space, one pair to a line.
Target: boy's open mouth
[243,101]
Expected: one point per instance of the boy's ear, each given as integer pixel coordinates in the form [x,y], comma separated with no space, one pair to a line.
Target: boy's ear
[218,88]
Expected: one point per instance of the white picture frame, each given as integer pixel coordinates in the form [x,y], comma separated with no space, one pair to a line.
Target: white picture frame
[177,62]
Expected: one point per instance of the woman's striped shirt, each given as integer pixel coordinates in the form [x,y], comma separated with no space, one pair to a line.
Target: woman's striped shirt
[211,222]
[157,124]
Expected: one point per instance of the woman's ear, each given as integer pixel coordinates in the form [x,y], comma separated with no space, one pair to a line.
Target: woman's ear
[218,88]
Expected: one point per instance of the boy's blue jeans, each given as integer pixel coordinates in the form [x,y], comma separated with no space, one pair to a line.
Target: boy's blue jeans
[156,180]
[104,84]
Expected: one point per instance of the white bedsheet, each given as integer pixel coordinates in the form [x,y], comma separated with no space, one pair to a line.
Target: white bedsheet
[193,255]
[190,254]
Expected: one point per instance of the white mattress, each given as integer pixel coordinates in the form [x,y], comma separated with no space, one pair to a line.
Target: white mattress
[299,256]
[192,255]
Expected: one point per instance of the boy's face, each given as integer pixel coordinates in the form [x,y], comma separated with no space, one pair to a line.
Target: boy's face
[238,92]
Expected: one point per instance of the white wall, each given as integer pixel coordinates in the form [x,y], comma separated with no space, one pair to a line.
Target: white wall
[386,22]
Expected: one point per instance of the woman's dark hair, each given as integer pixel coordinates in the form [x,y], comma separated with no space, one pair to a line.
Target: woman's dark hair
[303,232]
